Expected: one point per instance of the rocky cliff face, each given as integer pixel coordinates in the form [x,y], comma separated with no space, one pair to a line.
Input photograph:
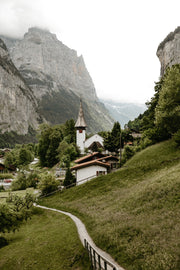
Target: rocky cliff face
[58,78]
[168,51]
[18,104]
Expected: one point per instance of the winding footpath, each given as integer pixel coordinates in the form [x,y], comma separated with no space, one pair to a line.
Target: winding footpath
[83,234]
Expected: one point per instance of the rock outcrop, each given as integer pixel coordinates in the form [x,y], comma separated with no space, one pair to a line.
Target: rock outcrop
[168,51]
[17,103]
[58,78]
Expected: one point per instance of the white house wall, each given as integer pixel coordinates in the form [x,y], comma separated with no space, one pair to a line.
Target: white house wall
[94,138]
[88,173]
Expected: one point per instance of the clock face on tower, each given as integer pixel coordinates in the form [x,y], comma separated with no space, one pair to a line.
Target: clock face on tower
[80,131]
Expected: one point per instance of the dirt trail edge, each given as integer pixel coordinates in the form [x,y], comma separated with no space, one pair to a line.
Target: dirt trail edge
[83,234]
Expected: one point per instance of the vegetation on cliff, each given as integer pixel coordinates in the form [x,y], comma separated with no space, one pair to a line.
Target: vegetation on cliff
[162,118]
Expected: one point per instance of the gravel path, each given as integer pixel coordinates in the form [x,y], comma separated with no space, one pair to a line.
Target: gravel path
[83,234]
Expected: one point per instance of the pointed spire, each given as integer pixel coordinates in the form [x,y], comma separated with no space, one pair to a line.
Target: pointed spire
[80,121]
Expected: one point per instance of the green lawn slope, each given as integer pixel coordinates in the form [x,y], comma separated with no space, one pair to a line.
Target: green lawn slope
[48,241]
[134,213]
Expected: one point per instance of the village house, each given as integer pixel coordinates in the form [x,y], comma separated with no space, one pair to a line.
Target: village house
[93,165]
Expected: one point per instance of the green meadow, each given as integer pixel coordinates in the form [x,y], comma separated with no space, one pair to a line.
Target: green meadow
[134,213]
[48,241]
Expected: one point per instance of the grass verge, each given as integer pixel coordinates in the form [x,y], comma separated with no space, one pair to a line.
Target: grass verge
[48,241]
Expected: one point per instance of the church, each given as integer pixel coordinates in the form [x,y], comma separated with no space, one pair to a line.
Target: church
[95,163]
[81,141]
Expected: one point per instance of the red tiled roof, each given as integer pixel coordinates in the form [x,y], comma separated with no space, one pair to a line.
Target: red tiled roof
[91,163]
[109,157]
[86,157]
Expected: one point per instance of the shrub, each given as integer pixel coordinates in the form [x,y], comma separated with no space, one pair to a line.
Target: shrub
[13,214]
[69,178]
[3,242]
[177,137]
[6,176]
[127,153]
[19,183]
[47,184]
[32,180]
[2,189]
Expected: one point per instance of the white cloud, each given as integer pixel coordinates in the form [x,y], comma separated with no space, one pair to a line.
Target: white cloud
[117,38]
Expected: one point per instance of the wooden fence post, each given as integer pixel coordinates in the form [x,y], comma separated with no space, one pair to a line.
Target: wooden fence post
[94,255]
[99,261]
[90,253]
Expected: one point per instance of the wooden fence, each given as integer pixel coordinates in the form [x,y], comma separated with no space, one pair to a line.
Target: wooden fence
[97,261]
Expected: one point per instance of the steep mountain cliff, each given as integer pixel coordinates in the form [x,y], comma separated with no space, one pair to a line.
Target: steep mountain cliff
[58,78]
[168,51]
[17,103]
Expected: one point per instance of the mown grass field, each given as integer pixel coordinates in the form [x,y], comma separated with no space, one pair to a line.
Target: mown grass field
[48,241]
[134,213]
[21,193]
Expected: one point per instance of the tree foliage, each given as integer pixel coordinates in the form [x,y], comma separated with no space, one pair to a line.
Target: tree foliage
[69,178]
[24,181]
[49,140]
[21,155]
[112,139]
[162,117]
[47,184]
[14,213]
[167,112]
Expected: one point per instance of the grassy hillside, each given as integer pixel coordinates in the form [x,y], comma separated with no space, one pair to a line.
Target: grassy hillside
[133,213]
[47,241]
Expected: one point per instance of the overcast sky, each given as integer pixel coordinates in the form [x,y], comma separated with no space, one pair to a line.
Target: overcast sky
[118,39]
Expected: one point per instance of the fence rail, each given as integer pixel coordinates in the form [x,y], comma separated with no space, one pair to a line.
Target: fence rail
[97,261]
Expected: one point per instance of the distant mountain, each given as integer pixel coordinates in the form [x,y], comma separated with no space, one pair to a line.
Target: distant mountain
[58,78]
[123,112]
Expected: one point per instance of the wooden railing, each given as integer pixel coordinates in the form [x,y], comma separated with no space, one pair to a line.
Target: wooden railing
[97,261]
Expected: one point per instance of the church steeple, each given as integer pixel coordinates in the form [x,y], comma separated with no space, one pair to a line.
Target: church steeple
[81,130]
[80,123]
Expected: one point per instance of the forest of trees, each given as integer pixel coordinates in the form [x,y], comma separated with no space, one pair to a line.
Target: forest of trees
[161,120]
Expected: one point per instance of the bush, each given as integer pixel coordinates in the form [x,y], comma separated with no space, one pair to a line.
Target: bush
[13,214]
[19,183]
[2,189]
[3,242]
[6,176]
[69,178]
[176,137]
[32,180]
[127,153]
[47,184]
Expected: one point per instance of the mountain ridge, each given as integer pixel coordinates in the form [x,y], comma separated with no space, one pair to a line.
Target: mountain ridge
[56,74]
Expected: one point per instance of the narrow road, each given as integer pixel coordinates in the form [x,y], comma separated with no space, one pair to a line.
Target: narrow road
[83,234]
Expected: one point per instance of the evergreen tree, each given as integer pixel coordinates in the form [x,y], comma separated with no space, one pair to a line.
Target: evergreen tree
[69,178]
[49,141]
[112,140]
[167,113]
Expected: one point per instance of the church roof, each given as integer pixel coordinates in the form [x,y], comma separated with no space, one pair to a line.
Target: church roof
[80,121]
